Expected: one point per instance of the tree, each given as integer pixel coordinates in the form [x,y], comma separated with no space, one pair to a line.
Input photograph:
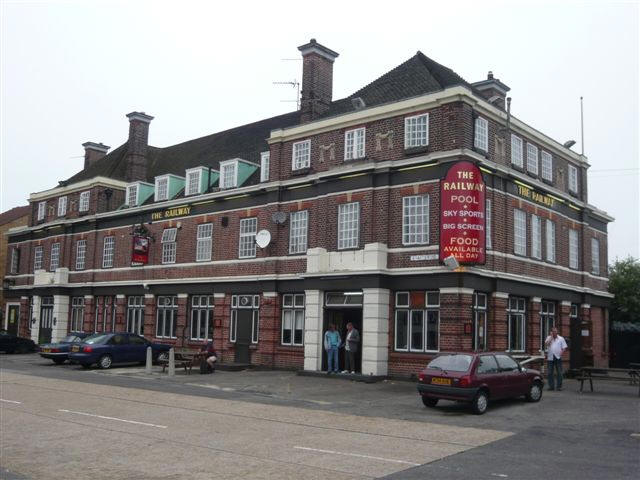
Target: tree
[624,283]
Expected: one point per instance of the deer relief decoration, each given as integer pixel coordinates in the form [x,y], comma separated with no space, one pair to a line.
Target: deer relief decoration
[330,149]
[500,148]
[384,136]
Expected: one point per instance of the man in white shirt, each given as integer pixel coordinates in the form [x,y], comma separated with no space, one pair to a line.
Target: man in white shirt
[555,346]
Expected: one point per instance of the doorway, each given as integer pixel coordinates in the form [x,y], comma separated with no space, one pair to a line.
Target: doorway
[46,320]
[244,320]
[13,318]
[340,317]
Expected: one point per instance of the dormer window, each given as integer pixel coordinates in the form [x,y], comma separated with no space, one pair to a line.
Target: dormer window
[229,174]
[301,155]
[132,195]
[264,166]
[62,206]
[162,189]
[193,182]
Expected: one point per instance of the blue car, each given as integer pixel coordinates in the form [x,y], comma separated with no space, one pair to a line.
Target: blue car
[59,352]
[106,349]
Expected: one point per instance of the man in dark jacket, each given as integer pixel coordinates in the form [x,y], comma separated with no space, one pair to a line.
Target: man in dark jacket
[210,357]
[351,347]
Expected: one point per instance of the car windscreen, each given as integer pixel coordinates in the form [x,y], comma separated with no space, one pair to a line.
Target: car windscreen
[70,339]
[97,338]
[452,363]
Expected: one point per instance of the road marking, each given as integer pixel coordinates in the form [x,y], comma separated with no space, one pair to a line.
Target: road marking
[113,418]
[357,455]
[10,401]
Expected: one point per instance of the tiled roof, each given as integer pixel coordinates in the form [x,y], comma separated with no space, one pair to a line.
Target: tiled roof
[14,214]
[417,76]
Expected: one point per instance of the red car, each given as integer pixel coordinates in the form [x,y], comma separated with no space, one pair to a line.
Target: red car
[477,378]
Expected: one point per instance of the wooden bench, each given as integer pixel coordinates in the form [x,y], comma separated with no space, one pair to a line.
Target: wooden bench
[625,374]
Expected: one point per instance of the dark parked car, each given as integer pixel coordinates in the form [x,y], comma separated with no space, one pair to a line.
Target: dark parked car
[10,343]
[106,349]
[59,352]
[477,378]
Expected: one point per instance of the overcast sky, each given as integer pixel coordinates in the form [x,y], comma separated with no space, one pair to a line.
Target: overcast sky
[71,70]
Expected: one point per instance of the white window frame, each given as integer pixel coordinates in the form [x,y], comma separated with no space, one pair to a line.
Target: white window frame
[232,181]
[516,151]
[247,241]
[536,237]
[532,159]
[301,155]
[168,310]
[77,314]
[348,225]
[550,235]
[135,314]
[298,231]
[516,310]
[169,245]
[547,320]
[265,160]
[415,220]
[429,310]
[108,251]
[416,131]
[38,255]
[595,256]
[132,194]
[54,261]
[204,242]
[81,254]
[62,206]
[479,322]
[201,315]
[572,178]
[83,203]
[488,215]
[547,166]
[354,143]
[481,134]
[574,248]
[519,232]
[190,175]
[294,305]
[161,189]
[42,210]
[254,305]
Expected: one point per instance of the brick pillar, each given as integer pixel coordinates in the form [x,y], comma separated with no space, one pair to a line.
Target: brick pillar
[498,329]
[563,324]
[455,313]
[221,317]
[89,313]
[588,349]
[149,316]
[533,326]
[182,324]
[121,313]
[24,322]
[269,334]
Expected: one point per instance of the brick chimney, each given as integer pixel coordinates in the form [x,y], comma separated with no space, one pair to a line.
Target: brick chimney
[137,146]
[493,90]
[93,152]
[317,79]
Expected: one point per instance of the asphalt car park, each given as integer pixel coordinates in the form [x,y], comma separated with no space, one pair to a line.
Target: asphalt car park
[589,435]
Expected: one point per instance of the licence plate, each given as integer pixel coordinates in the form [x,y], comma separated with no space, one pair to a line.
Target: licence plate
[46,350]
[440,381]
[75,349]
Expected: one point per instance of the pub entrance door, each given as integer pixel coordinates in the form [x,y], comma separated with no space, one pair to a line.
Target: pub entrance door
[13,318]
[46,320]
[342,308]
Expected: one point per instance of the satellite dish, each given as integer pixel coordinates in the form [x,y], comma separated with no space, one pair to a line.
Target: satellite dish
[263,238]
[279,217]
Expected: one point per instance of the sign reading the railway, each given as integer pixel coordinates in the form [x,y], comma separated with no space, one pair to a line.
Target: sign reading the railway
[462,214]
[171,213]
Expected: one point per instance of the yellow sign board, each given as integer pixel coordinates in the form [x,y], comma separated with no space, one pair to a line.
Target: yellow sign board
[171,213]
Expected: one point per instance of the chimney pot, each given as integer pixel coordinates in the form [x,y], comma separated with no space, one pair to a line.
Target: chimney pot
[493,90]
[137,146]
[317,79]
[93,152]
[490,75]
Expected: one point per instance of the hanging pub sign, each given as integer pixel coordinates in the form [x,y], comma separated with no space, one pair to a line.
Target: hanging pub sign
[140,250]
[462,214]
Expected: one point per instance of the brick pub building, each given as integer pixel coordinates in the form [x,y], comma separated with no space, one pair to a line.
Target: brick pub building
[162,241]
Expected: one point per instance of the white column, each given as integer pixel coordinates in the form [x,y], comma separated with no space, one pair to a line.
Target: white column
[375,331]
[60,317]
[35,326]
[313,330]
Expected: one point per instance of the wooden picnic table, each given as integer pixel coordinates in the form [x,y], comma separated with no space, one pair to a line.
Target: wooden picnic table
[184,358]
[631,375]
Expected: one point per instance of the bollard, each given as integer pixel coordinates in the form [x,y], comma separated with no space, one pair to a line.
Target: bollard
[172,362]
[147,368]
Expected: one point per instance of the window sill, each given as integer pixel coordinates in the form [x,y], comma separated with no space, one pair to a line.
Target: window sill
[532,175]
[547,181]
[300,171]
[517,167]
[416,150]
[481,151]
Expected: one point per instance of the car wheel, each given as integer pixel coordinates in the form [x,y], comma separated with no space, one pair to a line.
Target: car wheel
[59,361]
[535,392]
[105,362]
[429,402]
[480,403]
